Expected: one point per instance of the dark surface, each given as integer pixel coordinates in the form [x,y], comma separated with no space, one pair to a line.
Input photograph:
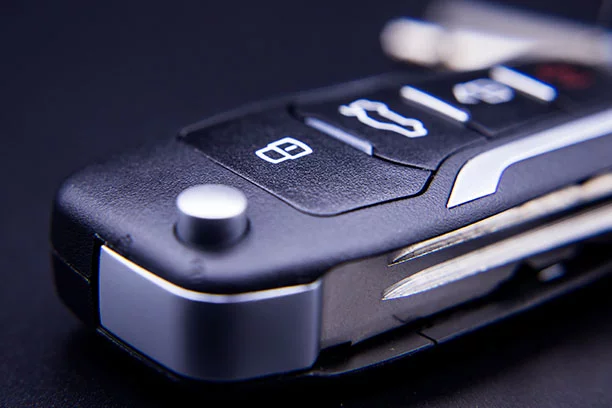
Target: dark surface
[80,83]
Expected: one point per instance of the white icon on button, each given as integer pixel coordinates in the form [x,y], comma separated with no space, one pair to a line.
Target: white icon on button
[286,148]
[482,90]
[360,109]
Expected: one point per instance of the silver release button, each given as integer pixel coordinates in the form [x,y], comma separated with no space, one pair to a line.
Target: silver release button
[211,214]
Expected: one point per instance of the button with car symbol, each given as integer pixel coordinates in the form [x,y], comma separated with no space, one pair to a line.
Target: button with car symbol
[385,125]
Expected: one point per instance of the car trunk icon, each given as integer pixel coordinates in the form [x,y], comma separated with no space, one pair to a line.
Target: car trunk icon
[404,126]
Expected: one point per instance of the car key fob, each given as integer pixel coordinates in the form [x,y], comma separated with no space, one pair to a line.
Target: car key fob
[366,221]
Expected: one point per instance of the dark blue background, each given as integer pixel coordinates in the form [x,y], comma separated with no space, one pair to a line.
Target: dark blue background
[82,81]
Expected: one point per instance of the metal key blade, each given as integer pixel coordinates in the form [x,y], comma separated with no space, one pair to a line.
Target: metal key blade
[557,234]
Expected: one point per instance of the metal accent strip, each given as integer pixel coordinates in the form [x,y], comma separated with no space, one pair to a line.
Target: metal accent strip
[339,134]
[523,83]
[480,176]
[422,98]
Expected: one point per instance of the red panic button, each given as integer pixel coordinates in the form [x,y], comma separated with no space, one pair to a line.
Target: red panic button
[565,76]
[578,86]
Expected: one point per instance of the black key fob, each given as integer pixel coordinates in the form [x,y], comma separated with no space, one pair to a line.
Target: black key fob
[364,222]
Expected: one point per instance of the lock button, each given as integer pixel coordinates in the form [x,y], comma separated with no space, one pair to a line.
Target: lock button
[304,167]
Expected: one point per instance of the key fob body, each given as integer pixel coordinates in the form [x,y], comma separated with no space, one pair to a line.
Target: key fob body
[301,219]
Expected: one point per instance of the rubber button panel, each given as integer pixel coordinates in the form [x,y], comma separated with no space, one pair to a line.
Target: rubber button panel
[399,131]
[578,86]
[306,168]
[493,107]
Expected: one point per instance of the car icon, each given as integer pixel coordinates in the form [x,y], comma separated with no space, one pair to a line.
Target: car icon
[402,125]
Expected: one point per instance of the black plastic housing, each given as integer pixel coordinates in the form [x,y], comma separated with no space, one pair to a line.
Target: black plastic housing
[128,204]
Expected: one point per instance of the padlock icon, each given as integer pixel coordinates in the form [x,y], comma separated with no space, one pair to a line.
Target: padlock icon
[286,148]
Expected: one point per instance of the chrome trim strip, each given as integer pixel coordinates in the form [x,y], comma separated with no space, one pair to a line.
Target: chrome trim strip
[523,83]
[422,98]
[209,336]
[339,134]
[557,234]
[480,176]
